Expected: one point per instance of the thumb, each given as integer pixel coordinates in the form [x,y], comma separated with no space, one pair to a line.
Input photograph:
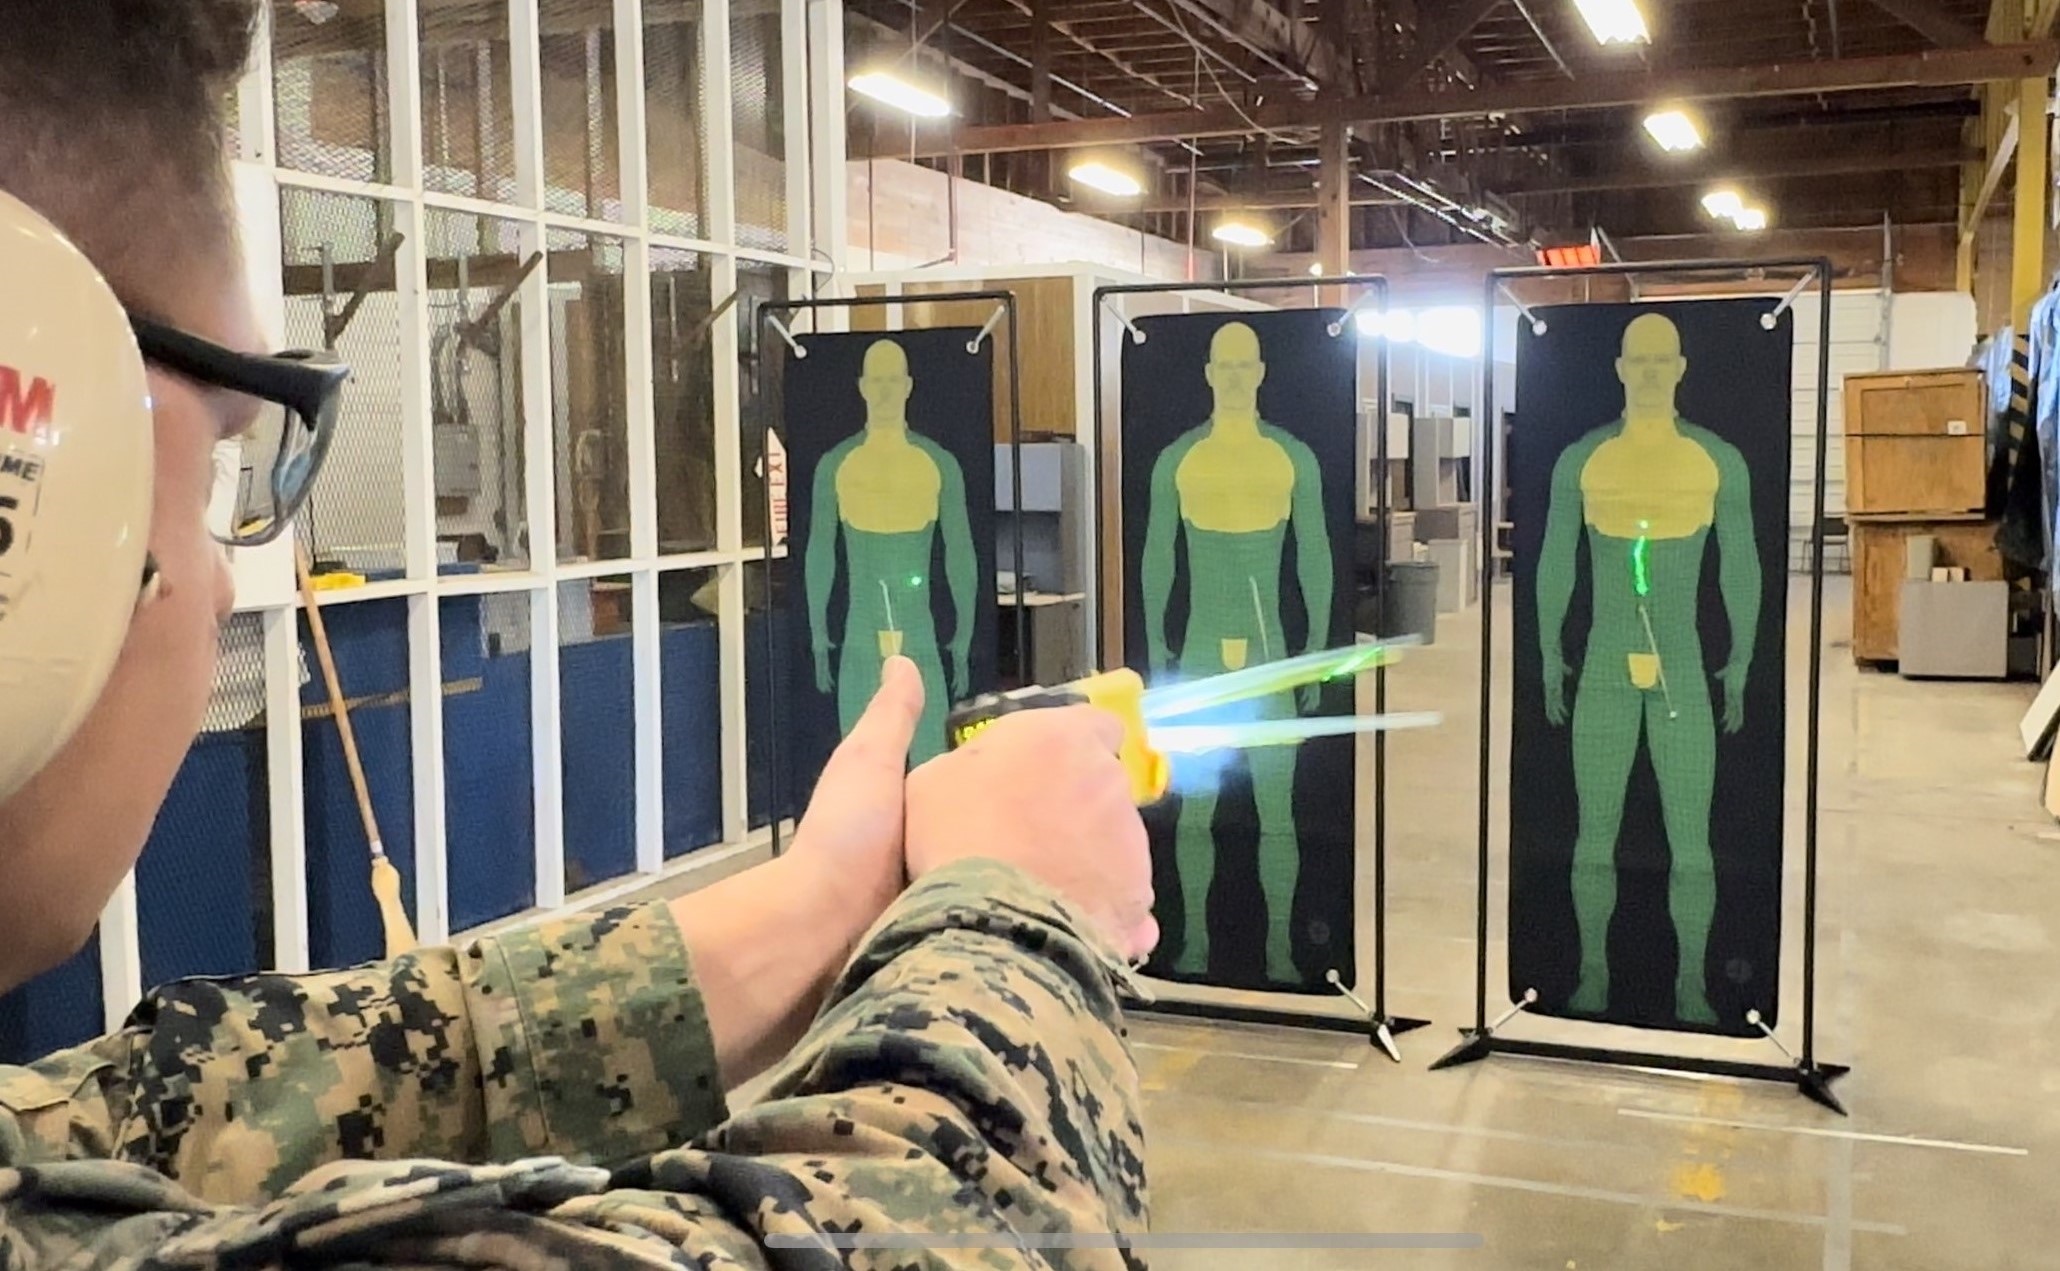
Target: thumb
[882,735]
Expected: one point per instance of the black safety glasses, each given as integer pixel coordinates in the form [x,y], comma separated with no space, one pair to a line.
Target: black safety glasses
[279,456]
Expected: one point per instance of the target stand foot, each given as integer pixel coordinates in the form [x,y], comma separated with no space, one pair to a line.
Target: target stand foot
[1385,1031]
[1814,1081]
[1474,1046]
[1381,1028]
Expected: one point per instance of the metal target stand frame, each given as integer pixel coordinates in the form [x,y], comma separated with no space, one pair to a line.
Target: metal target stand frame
[1374,1021]
[1811,1077]
[767,322]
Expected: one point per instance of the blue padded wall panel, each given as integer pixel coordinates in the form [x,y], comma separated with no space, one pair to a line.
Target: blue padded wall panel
[59,1008]
[692,719]
[202,885]
[489,786]
[370,643]
[598,723]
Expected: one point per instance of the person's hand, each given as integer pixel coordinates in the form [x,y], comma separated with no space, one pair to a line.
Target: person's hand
[961,673]
[1044,791]
[851,831]
[823,683]
[1556,671]
[767,943]
[1733,680]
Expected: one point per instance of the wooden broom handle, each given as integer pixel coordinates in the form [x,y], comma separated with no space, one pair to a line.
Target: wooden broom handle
[336,702]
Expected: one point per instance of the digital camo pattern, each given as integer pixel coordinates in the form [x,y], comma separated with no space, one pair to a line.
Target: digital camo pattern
[968,1076]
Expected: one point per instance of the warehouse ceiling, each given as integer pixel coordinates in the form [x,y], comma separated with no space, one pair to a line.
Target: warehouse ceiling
[1496,120]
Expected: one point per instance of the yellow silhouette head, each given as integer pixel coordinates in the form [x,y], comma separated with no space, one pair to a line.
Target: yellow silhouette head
[885,383]
[1650,365]
[1235,369]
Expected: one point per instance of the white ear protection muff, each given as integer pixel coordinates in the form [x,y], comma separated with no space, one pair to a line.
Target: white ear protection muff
[76,463]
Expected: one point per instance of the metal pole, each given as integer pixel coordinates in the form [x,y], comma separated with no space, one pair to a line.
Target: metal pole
[1382,518]
[772,646]
[1484,436]
[1810,778]
[1095,638]
[1016,486]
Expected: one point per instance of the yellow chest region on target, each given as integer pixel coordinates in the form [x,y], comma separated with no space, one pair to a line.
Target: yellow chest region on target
[1235,483]
[888,486]
[1657,487]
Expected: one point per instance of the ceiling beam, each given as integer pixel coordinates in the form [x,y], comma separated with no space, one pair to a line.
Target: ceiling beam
[1931,20]
[1248,39]
[1436,41]
[1090,47]
[1991,179]
[1941,67]
[1801,165]
[1409,14]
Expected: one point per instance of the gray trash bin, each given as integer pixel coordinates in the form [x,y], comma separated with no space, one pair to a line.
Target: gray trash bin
[1412,600]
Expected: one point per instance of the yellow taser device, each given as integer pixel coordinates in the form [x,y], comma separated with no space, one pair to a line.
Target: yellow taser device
[1119,692]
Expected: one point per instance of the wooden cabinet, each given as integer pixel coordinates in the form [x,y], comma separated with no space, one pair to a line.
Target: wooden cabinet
[1915,443]
[1880,554]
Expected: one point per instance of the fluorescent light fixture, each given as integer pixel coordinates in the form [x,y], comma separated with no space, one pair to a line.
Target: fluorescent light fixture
[1241,234]
[892,90]
[1096,175]
[1724,203]
[1751,219]
[1675,132]
[1614,21]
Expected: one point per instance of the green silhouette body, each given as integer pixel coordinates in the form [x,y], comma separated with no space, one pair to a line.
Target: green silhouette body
[1643,674]
[888,491]
[1233,621]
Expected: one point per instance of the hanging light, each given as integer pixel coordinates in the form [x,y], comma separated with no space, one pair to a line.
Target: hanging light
[1674,130]
[1098,174]
[1241,234]
[1614,21]
[892,90]
[1724,204]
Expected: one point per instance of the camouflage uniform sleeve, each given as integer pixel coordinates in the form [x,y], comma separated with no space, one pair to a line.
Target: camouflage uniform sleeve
[583,1039]
[968,1078]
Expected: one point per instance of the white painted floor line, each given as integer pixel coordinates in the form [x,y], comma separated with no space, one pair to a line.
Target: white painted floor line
[1344,1065]
[1398,1123]
[1900,1140]
[1642,1200]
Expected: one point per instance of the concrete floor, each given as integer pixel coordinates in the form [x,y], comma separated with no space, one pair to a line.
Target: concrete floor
[1936,983]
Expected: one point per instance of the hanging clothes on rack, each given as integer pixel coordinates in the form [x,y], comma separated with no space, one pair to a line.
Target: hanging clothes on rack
[2016,481]
[2043,373]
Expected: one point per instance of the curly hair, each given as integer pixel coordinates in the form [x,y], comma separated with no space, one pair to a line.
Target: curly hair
[114,115]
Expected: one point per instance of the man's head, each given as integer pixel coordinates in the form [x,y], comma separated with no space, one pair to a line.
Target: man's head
[114,132]
[1650,365]
[1235,370]
[884,382]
